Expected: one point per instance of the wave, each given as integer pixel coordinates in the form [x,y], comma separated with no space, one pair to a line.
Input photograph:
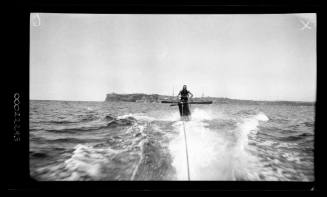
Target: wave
[76,129]
[136,153]
[309,124]
[38,154]
[71,120]
[68,140]
[296,137]
[109,118]
[95,162]
[89,117]
[306,134]
[135,117]
[250,125]
[113,123]
[86,161]
[61,122]
[121,122]
[246,113]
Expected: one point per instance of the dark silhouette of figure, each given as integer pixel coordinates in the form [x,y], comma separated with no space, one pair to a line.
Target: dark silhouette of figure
[183,105]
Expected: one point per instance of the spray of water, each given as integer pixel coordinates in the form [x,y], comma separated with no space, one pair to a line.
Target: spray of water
[215,154]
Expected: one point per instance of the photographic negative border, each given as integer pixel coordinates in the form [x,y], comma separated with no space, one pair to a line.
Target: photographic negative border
[18,96]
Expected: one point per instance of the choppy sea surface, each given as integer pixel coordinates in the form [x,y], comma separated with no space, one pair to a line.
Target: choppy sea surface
[72,140]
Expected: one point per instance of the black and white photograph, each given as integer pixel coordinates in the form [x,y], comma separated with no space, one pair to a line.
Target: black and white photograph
[172,97]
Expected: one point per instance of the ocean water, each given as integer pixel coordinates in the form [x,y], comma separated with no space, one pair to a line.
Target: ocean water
[88,141]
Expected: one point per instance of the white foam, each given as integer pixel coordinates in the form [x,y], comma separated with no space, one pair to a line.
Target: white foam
[137,116]
[200,149]
[139,163]
[267,143]
[215,154]
[262,117]
[291,156]
[200,114]
[87,160]
[125,116]
[250,125]
[144,118]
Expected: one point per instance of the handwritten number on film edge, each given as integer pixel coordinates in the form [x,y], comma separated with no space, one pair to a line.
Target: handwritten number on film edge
[16,117]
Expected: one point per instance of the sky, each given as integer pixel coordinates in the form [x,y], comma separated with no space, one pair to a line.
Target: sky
[83,57]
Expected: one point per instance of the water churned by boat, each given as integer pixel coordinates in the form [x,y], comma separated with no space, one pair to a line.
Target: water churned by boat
[136,141]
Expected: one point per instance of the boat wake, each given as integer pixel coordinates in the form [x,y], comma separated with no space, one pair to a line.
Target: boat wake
[216,154]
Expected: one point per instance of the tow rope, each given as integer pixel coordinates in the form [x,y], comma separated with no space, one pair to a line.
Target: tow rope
[186,149]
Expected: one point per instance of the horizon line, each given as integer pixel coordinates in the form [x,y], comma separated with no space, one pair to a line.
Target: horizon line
[255,100]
